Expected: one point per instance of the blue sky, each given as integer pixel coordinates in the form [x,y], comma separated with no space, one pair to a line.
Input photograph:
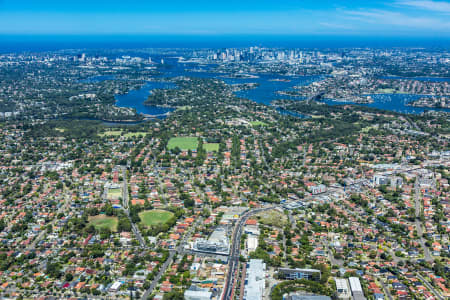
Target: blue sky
[295,17]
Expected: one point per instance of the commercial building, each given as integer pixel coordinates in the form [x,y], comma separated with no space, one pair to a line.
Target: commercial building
[115,286]
[380,179]
[299,296]
[318,189]
[197,293]
[251,229]
[217,243]
[357,291]
[255,280]
[310,274]
[252,243]
[396,182]
[293,205]
[342,289]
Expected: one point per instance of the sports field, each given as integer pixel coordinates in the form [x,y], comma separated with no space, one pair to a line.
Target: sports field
[133,134]
[111,133]
[184,143]
[155,217]
[118,133]
[211,147]
[102,221]
[114,193]
[258,123]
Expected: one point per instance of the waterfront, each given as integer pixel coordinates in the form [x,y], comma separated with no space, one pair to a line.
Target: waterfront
[135,99]
[264,93]
[393,102]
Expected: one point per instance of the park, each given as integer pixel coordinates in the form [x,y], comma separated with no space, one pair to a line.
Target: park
[103,221]
[155,217]
[183,143]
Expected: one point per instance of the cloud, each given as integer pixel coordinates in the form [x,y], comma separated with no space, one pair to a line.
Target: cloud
[436,6]
[386,17]
[336,26]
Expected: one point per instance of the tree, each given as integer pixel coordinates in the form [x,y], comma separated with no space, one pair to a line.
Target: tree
[124,224]
[53,270]
[68,277]
[2,224]
[173,295]
[188,203]
[109,210]
[90,229]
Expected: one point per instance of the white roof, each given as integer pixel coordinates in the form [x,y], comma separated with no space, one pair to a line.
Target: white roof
[254,289]
[355,284]
[200,295]
[252,242]
[341,284]
[116,285]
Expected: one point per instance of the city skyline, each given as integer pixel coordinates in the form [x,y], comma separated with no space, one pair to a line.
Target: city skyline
[405,18]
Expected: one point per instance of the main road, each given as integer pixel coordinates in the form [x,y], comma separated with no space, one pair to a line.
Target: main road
[233,261]
[418,223]
[125,206]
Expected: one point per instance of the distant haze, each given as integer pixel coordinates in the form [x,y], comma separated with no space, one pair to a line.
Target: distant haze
[26,43]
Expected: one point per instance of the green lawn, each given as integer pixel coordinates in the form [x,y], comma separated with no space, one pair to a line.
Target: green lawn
[184,143]
[211,147]
[367,129]
[273,218]
[133,134]
[102,221]
[111,133]
[119,132]
[155,216]
[258,123]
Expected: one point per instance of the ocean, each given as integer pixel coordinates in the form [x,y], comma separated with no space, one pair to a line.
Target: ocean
[40,43]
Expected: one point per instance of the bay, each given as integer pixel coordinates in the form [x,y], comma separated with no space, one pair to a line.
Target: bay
[264,93]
